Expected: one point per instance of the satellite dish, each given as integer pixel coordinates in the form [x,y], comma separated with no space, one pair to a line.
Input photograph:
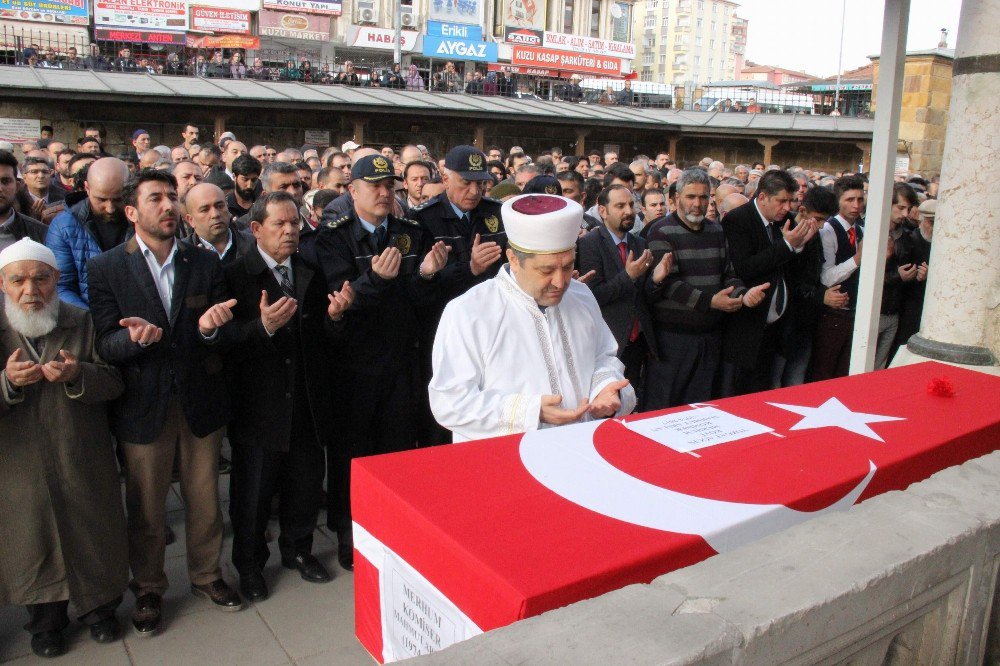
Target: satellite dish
[616,11]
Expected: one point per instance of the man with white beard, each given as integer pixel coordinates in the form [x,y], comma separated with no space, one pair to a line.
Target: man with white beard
[529,348]
[61,502]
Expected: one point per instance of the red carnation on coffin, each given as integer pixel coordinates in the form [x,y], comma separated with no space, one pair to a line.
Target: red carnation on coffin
[941,387]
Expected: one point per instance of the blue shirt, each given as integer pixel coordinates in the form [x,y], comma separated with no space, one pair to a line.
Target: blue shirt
[458,211]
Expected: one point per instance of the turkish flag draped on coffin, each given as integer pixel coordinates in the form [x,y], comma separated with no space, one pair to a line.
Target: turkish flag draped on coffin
[455,540]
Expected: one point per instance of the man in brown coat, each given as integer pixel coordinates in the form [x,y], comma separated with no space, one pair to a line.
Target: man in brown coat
[63,521]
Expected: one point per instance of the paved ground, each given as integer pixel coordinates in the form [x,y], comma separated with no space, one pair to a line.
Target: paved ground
[302,623]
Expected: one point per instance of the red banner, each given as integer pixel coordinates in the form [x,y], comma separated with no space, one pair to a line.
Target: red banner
[139,36]
[223,42]
[564,60]
[530,71]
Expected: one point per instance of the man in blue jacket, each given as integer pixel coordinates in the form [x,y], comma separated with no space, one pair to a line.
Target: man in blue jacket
[90,224]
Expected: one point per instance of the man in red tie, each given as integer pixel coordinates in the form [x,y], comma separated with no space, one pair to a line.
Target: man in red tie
[621,264]
[842,242]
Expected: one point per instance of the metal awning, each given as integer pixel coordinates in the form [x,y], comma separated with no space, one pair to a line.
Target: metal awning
[137,88]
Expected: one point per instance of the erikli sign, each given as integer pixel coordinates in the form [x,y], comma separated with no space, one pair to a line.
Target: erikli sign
[459,49]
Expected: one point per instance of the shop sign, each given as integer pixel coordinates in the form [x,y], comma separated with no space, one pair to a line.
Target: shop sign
[592,45]
[326,7]
[456,30]
[583,63]
[142,14]
[459,49]
[214,19]
[140,36]
[73,12]
[523,36]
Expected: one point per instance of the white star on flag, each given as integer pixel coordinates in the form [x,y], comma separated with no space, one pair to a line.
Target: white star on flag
[833,413]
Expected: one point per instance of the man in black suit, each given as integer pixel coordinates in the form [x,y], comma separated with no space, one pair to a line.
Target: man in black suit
[392,266]
[280,374]
[621,261]
[13,225]
[763,241]
[160,309]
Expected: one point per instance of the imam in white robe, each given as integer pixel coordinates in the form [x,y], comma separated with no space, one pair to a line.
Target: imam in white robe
[496,353]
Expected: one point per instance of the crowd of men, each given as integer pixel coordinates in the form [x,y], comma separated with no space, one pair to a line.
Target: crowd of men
[289,300]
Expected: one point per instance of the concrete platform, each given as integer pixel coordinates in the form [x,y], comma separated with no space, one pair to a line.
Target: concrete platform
[301,623]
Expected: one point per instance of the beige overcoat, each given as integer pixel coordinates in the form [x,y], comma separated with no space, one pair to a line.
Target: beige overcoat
[62,526]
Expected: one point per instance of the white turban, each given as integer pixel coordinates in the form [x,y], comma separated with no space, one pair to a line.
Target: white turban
[27,250]
[541,223]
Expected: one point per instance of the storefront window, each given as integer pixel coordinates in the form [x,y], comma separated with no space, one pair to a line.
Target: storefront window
[595,18]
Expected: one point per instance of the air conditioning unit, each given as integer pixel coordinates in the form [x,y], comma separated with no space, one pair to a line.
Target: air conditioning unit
[408,20]
[367,12]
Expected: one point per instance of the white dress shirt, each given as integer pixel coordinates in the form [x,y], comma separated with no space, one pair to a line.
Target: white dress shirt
[834,273]
[271,263]
[208,246]
[772,312]
[163,275]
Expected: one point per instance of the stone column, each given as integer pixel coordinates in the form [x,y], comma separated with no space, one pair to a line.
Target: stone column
[220,125]
[866,154]
[673,147]
[581,142]
[479,139]
[961,317]
[768,145]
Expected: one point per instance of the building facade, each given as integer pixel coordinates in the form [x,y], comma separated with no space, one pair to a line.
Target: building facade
[688,41]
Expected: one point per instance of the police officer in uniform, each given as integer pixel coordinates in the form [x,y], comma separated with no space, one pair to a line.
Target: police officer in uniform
[393,269]
[470,225]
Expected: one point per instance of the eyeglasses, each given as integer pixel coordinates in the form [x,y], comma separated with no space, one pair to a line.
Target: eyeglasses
[37,172]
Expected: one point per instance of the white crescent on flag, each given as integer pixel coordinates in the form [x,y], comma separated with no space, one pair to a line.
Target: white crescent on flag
[565,461]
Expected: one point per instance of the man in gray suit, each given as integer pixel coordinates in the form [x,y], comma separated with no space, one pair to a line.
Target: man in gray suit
[621,264]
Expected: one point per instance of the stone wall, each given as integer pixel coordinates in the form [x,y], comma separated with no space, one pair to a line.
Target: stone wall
[923,117]
[903,578]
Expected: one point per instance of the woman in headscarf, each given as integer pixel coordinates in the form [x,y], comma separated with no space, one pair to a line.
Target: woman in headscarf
[413,79]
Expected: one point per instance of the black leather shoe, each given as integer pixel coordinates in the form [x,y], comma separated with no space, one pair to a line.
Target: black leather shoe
[219,593]
[308,567]
[146,616]
[254,587]
[106,631]
[345,555]
[48,644]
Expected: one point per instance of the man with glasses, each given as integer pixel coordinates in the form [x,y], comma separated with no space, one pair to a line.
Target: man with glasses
[37,172]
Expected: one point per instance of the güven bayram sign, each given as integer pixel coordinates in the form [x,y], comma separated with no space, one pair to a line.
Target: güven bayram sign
[459,49]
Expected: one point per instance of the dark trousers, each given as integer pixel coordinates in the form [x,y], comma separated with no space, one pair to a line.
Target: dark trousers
[753,375]
[831,355]
[53,616]
[297,478]
[633,357]
[685,371]
[378,416]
